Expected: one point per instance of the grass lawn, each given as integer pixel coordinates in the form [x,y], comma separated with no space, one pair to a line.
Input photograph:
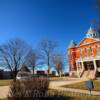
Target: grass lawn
[81,85]
[5,82]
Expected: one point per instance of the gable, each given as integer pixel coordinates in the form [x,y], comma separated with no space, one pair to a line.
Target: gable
[87,41]
[24,69]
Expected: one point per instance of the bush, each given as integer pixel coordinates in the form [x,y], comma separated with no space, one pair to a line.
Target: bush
[30,89]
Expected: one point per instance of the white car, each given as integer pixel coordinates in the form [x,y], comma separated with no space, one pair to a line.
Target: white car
[24,76]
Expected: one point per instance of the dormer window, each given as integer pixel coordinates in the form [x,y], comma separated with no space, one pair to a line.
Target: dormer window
[94,34]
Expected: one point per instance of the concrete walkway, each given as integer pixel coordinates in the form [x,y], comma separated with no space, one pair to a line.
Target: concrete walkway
[62,89]
[57,85]
[4,91]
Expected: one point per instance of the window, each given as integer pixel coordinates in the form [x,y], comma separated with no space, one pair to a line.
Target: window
[98,63]
[94,34]
[85,52]
[91,35]
[70,55]
[91,51]
[97,51]
[81,53]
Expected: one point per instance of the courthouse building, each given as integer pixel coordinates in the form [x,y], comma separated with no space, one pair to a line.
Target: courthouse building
[84,57]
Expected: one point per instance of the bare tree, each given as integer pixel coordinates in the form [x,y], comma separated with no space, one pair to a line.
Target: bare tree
[31,59]
[58,61]
[47,48]
[13,55]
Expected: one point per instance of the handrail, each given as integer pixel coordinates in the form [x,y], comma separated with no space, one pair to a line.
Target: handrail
[82,73]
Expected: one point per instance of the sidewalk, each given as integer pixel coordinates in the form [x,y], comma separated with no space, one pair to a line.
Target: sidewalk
[4,91]
[62,89]
[57,86]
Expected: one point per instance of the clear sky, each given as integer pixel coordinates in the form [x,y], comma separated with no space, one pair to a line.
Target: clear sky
[34,20]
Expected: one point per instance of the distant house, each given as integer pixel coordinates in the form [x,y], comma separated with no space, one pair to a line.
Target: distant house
[54,73]
[24,73]
[40,72]
[45,72]
[8,74]
[24,69]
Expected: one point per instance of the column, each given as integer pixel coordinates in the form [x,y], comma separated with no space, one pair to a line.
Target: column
[77,65]
[82,65]
[95,65]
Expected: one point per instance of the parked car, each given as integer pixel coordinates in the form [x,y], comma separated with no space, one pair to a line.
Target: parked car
[24,76]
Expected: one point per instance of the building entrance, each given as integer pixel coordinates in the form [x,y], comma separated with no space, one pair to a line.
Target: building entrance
[89,65]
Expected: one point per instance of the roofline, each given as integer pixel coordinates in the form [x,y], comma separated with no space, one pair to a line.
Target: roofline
[77,46]
[87,38]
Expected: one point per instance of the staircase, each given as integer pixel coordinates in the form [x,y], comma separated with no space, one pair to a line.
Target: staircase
[90,74]
[85,74]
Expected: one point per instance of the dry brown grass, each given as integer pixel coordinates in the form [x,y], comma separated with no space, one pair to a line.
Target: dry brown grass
[5,82]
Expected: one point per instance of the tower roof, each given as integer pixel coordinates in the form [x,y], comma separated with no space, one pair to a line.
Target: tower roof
[93,33]
[72,44]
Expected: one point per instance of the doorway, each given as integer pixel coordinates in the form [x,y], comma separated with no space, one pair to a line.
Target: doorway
[89,65]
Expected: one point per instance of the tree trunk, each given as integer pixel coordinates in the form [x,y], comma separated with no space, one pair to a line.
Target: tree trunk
[14,76]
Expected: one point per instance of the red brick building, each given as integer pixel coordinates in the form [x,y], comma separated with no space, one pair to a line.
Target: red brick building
[84,58]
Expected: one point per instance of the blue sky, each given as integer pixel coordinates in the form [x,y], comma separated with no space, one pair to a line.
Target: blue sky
[34,20]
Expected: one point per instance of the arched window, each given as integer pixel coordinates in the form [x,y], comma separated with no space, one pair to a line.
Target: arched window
[70,55]
[85,50]
[97,50]
[80,53]
[91,35]
[91,51]
[94,34]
